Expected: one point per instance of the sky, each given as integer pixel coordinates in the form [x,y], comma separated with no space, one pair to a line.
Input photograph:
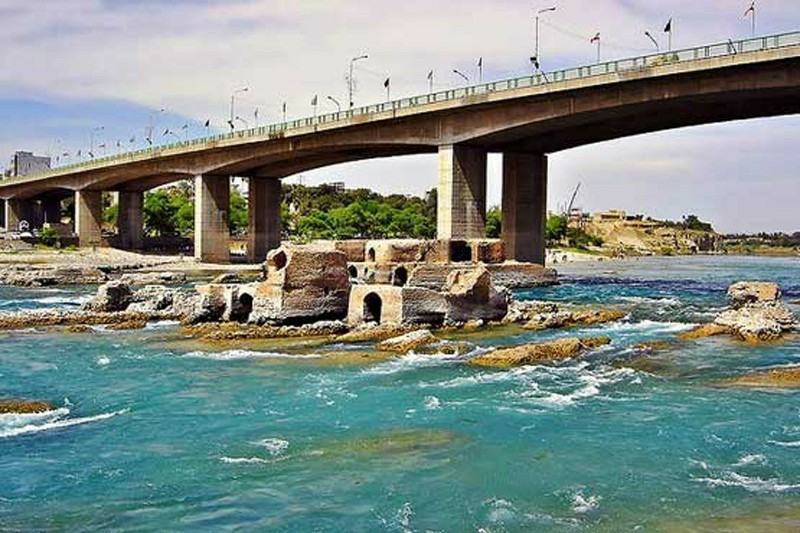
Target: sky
[85,72]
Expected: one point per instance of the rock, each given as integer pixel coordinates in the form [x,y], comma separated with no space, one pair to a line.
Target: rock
[788,378]
[521,311]
[153,278]
[151,298]
[233,331]
[747,292]
[24,407]
[651,346]
[128,325]
[547,352]
[758,315]
[408,342]
[572,318]
[705,330]
[210,306]
[78,328]
[371,331]
[25,276]
[522,275]
[110,297]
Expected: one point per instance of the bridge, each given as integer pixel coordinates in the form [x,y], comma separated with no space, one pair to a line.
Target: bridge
[523,118]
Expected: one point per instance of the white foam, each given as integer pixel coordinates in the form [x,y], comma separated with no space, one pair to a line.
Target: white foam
[161,324]
[584,504]
[243,460]
[34,423]
[751,484]
[749,459]
[103,361]
[274,446]
[412,361]
[432,403]
[239,354]
[649,326]
[649,300]
[793,444]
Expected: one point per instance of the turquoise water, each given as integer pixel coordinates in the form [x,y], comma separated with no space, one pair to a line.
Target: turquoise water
[154,433]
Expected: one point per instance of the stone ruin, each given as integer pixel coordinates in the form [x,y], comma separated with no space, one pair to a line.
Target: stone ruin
[394,281]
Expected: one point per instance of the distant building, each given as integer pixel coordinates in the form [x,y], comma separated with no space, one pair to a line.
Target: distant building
[25,163]
[337,186]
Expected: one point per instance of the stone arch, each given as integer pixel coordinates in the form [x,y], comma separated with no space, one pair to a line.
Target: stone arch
[371,255]
[400,276]
[353,271]
[278,260]
[245,306]
[460,252]
[373,307]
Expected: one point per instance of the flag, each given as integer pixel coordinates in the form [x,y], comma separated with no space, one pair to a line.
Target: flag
[185,127]
[149,141]
[314,100]
[430,75]
[132,140]
[255,113]
[119,144]
[102,145]
[480,62]
[208,123]
[91,155]
[79,153]
[750,9]
[386,83]
[167,132]
[668,27]
[596,38]
[284,107]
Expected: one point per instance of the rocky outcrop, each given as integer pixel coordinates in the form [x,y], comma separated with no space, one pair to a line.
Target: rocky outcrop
[371,331]
[471,295]
[782,378]
[153,278]
[757,313]
[537,316]
[236,332]
[531,354]
[112,296]
[45,318]
[152,298]
[25,276]
[304,284]
[24,407]
[408,342]
[705,330]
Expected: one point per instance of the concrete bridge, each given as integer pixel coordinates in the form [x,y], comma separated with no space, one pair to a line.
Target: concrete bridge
[523,118]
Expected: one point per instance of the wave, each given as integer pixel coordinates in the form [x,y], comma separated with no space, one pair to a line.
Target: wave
[793,444]
[751,458]
[650,300]
[240,354]
[412,361]
[583,504]
[244,460]
[648,326]
[14,425]
[46,301]
[274,446]
[161,324]
[751,484]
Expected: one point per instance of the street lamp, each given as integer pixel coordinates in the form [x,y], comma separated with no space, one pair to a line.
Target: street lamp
[456,71]
[350,78]
[152,126]
[335,101]
[243,121]
[539,14]
[233,98]
[91,138]
[649,36]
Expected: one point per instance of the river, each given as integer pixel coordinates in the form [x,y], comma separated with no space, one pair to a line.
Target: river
[155,432]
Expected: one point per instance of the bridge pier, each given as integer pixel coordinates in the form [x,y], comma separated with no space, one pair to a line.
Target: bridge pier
[211,204]
[51,211]
[14,213]
[524,206]
[130,221]
[264,229]
[88,217]
[461,193]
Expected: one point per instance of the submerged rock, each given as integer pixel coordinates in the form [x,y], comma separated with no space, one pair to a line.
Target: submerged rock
[371,331]
[408,342]
[573,318]
[705,330]
[783,378]
[24,406]
[530,354]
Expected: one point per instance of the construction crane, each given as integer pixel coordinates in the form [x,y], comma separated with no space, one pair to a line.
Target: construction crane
[572,200]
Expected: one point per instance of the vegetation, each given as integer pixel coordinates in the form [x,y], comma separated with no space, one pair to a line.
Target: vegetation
[48,236]
[689,222]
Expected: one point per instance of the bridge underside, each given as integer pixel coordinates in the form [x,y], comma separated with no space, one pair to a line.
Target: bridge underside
[524,129]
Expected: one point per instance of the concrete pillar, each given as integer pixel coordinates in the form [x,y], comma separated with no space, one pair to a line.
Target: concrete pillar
[88,217]
[461,211]
[264,230]
[524,206]
[15,213]
[130,221]
[211,234]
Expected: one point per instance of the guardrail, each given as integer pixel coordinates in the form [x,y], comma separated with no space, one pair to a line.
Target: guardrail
[277,130]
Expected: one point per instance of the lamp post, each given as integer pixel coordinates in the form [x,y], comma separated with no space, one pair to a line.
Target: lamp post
[350,78]
[539,14]
[152,126]
[335,101]
[458,72]
[91,138]
[653,39]
[233,100]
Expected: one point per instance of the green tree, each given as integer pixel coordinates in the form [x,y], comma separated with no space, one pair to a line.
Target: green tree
[494,223]
[556,228]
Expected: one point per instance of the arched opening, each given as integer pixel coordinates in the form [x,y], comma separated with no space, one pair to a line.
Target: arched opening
[400,277]
[371,255]
[372,308]
[279,260]
[460,252]
[244,307]
[353,271]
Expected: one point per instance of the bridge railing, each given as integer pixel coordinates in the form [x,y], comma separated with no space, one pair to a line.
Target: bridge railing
[277,130]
